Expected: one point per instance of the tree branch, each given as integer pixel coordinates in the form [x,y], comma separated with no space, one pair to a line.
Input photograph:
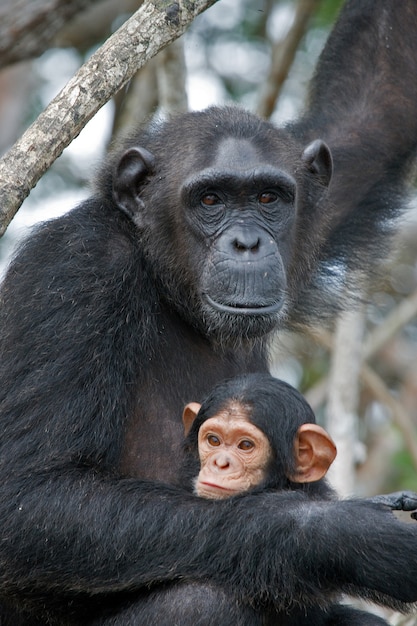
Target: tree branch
[92,26]
[151,28]
[283,54]
[399,317]
[27,27]
[400,415]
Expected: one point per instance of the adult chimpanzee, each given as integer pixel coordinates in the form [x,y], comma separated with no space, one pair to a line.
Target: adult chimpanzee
[204,235]
[257,432]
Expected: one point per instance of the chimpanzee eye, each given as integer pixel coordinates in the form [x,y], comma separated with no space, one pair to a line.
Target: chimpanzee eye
[211,199]
[267,197]
[246,445]
[212,440]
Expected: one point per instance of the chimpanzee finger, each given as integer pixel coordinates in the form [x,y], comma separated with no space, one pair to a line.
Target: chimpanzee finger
[397,501]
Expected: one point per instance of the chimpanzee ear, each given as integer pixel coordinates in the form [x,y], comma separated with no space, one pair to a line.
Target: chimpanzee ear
[189,414]
[318,159]
[314,453]
[131,171]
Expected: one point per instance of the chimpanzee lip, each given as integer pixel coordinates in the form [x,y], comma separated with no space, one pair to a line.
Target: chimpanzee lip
[216,486]
[244,309]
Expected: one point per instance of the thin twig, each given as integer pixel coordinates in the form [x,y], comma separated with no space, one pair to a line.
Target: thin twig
[399,317]
[400,415]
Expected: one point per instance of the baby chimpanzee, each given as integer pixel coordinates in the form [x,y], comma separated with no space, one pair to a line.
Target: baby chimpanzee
[255,432]
[252,431]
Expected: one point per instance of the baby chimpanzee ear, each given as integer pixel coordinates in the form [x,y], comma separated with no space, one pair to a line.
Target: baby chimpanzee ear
[314,453]
[189,414]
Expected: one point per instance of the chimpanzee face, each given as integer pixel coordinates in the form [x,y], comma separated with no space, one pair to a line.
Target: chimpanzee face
[220,231]
[244,212]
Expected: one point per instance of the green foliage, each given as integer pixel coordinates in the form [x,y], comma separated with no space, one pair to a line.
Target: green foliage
[327,13]
[403,473]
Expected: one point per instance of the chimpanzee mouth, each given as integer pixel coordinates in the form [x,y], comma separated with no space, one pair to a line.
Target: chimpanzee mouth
[239,309]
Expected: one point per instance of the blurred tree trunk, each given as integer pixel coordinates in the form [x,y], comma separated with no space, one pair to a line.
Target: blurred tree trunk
[15,85]
[27,27]
[160,84]
[95,24]
[343,394]
[171,77]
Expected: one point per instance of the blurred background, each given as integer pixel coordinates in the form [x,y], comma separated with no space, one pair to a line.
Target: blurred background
[360,375]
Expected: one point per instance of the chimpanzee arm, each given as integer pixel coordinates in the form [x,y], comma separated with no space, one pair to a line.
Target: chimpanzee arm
[363,104]
[363,97]
[69,530]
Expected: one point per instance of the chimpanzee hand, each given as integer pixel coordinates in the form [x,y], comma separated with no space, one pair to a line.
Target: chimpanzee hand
[398,501]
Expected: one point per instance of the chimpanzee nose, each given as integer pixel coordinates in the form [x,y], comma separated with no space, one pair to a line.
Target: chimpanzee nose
[245,240]
[221,460]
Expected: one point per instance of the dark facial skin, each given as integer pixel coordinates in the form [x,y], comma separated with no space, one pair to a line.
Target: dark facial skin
[246,210]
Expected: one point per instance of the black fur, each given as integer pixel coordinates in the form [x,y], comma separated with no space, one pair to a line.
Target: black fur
[106,334]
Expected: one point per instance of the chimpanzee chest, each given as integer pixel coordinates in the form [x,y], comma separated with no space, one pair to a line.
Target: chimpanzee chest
[152,444]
